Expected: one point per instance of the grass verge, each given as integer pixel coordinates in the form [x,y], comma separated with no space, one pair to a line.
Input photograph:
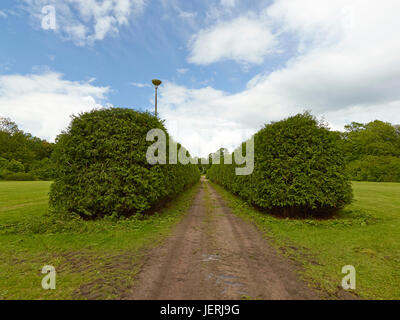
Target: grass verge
[93,259]
[365,235]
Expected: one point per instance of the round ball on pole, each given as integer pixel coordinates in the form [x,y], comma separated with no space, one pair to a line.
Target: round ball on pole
[157,82]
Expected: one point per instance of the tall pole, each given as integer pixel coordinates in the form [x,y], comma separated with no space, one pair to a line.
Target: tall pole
[156,84]
[156,102]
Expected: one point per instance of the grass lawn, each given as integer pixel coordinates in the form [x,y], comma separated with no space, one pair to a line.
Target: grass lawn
[19,200]
[93,260]
[366,235]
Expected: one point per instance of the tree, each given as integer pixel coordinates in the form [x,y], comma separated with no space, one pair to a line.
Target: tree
[8,126]
[15,166]
[372,151]
[376,138]
[19,147]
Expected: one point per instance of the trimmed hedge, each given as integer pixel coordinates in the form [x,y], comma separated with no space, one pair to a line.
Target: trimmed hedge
[101,167]
[299,170]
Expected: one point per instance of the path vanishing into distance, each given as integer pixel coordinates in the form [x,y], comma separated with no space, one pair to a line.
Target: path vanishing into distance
[215,255]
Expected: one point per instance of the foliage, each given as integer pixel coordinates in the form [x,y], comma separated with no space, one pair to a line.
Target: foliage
[376,138]
[375,169]
[299,170]
[372,151]
[43,169]
[206,163]
[19,176]
[20,151]
[101,167]
[15,166]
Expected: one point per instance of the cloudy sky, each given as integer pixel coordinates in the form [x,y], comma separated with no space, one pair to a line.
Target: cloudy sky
[228,66]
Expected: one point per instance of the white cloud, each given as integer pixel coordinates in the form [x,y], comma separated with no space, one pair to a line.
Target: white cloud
[87,21]
[139,85]
[245,39]
[187,15]
[228,3]
[42,104]
[182,70]
[346,68]
[198,119]
[3,14]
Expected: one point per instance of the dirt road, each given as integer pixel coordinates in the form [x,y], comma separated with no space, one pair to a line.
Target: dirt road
[213,254]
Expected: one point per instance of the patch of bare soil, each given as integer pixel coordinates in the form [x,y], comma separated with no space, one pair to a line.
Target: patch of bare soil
[110,275]
[213,254]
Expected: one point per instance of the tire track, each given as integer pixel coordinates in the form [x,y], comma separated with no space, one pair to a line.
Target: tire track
[213,254]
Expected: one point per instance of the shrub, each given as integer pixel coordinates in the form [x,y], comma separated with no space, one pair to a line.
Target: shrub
[43,169]
[3,163]
[101,167]
[20,176]
[15,166]
[299,170]
[375,169]
[4,172]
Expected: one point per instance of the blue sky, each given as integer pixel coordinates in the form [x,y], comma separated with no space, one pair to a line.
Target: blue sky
[228,66]
[154,44]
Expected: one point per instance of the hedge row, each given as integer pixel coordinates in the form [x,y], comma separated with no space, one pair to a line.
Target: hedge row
[101,167]
[299,170]
[15,171]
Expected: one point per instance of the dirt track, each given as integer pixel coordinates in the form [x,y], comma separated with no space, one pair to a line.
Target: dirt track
[213,254]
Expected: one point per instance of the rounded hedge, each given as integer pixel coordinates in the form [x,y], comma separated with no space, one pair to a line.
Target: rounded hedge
[299,170]
[101,167]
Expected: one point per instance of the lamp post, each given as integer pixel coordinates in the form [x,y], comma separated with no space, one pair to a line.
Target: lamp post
[156,84]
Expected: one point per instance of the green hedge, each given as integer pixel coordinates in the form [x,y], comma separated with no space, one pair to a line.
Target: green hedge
[101,167]
[375,169]
[299,170]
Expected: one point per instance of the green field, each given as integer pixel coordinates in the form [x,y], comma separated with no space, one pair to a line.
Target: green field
[105,255]
[365,235]
[93,260]
[19,200]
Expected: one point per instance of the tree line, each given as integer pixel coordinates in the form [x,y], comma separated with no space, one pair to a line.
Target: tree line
[371,152]
[23,156]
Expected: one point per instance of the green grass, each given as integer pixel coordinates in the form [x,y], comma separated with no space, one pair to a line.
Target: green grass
[93,260]
[365,235]
[104,256]
[19,200]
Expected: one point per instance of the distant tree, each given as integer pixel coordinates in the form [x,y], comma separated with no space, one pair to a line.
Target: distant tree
[15,166]
[6,125]
[372,151]
[20,149]
[376,138]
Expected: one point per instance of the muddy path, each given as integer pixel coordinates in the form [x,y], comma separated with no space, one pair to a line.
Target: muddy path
[213,254]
